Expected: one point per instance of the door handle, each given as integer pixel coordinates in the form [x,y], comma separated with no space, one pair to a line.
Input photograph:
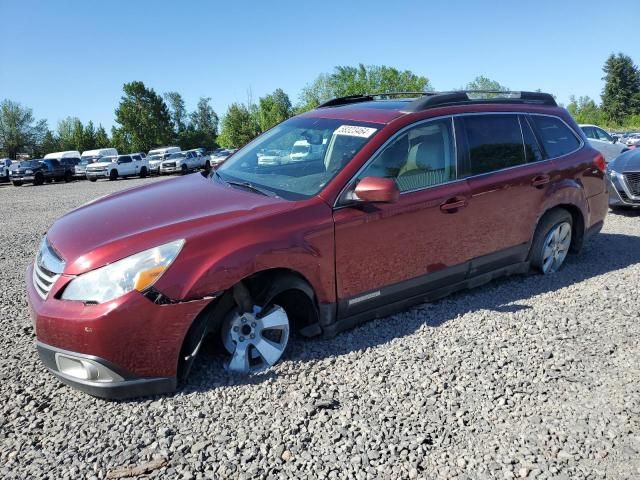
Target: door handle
[453,205]
[540,181]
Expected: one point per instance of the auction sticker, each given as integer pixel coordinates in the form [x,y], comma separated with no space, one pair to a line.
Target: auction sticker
[355,131]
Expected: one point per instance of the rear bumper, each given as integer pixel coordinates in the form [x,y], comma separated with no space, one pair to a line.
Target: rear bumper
[126,385]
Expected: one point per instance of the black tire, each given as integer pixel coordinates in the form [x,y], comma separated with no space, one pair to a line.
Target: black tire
[38,179]
[143,172]
[68,176]
[17,183]
[113,175]
[184,170]
[92,179]
[549,221]
[207,166]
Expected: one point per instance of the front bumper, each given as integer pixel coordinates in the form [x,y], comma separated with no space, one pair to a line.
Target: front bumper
[96,174]
[131,335]
[168,170]
[619,194]
[22,178]
[124,386]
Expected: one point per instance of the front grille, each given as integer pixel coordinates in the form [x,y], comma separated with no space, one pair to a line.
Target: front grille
[46,269]
[633,182]
[169,165]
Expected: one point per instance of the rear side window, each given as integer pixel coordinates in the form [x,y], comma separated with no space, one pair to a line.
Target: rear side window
[556,137]
[494,142]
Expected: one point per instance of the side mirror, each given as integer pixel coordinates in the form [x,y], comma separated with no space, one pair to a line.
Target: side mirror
[615,139]
[377,190]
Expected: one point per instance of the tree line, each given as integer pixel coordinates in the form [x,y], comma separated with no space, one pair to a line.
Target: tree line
[145,119]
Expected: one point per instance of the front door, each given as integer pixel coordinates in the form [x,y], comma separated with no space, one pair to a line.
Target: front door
[387,252]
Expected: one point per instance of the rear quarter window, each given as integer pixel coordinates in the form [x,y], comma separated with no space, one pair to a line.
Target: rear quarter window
[556,137]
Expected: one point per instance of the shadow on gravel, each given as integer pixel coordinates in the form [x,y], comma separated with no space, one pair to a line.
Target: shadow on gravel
[605,253]
[627,212]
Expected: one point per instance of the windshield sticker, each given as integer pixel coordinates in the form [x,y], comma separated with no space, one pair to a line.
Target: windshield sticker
[355,131]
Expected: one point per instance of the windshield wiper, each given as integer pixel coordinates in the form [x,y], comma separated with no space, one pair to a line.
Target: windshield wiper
[253,188]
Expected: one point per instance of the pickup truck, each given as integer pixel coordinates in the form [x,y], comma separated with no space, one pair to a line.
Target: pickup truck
[118,167]
[40,171]
[181,162]
[5,163]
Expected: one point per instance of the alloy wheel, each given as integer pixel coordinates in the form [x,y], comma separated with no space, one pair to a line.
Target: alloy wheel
[256,340]
[556,246]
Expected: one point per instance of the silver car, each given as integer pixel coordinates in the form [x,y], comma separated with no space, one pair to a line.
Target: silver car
[603,142]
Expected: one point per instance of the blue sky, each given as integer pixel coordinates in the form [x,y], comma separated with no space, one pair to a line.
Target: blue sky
[70,58]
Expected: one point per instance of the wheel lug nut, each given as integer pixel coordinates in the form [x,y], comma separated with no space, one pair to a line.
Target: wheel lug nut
[253,336]
[253,324]
[242,339]
[235,329]
[244,320]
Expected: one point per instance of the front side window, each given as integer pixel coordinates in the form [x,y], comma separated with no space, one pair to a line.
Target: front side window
[494,142]
[602,135]
[421,157]
[124,160]
[556,137]
[590,132]
[297,158]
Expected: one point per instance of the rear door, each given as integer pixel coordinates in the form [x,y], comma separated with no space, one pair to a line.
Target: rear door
[508,178]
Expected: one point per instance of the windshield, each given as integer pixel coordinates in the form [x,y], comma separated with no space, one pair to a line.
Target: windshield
[176,155]
[327,145]
[153,158]
[30,164]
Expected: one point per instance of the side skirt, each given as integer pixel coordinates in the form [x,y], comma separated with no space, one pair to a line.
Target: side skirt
[330,329]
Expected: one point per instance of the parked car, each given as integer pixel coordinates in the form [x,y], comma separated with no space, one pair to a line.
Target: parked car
[415,198]
[219,155]
[39,171]
[158,155]
[5,166]
[92,156]
[203,160]
[181,162]
[603,142]
[633,140]
[623,176]
[122,166]
[66,154]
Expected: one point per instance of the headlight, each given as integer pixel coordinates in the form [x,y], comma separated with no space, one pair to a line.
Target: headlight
[137,272]
[28,171]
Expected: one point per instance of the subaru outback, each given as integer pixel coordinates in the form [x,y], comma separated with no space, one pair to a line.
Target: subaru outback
[401,199]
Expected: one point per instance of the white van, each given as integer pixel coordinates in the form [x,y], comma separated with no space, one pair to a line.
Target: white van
[157,155]
[59,155]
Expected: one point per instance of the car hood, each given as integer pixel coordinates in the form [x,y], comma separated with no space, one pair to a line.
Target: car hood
[628,161]
[118,225]
[100,164]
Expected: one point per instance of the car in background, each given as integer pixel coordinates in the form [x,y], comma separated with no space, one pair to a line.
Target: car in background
[65,154]
[180,162]
[5,168]
[203,160]
[602,141]
[92,156]
[623,178]
[271,157]
[121,166]
[157,156]
[633,140]
[219,155]
[39,171]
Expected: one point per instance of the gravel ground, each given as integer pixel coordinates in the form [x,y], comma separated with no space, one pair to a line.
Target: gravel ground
[526,377]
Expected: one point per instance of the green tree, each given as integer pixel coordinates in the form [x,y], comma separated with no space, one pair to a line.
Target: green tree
[621,93]
[362,79]
[177,110]
[483,83]
[273,109]
[238,126]
[89,138]
[102,139]
[50,143]
[585,110]
[144,119]
[19,130]
[203,126]
[71,134]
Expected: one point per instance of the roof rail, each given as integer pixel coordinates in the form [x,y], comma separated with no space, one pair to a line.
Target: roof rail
[462,97]
[367,97]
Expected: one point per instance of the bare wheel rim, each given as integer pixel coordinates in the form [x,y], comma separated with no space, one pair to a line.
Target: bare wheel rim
[555,247]
[256,340]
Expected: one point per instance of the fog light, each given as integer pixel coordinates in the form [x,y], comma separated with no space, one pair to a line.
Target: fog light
[84,369]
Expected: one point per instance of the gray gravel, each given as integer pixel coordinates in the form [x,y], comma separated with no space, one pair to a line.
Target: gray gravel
[528,377]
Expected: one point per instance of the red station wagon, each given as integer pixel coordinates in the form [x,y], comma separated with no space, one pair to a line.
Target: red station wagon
[396,200]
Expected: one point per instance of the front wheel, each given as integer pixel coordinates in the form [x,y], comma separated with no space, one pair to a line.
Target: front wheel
[17,183]
[143,172]
[92,179]
[113,175]
[552,241]
[38,179]
[255,340]
[184,170]
[68,176]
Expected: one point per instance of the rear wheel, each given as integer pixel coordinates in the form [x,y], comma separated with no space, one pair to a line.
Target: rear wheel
[68,176]
[38,179]
[17,183]
[184,169]
[113,175]
[552,241]
[143,172]
[207,166]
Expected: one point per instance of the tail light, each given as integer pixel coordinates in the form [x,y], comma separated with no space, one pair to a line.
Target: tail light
[600,163]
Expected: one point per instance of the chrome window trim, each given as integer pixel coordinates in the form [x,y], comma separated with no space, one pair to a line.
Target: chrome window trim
[453,116]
